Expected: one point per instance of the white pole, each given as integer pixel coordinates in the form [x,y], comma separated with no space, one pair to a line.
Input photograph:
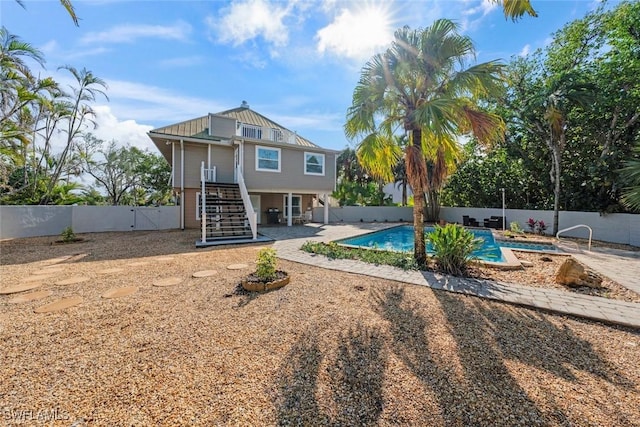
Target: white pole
[504,217]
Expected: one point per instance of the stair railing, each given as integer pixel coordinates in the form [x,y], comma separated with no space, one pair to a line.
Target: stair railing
[203,203]
[251,214]
[574,227]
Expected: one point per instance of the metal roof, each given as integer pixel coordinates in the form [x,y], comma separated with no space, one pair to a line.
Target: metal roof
[199,127]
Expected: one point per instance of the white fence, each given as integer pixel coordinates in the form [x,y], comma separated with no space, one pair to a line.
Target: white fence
[615,228]
[31,221]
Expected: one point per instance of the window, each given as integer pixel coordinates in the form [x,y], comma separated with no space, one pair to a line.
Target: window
[267,159]
[313,164]
[296,206]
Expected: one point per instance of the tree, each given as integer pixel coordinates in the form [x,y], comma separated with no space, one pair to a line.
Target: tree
[128,175]
[420,86]
[631,175]
[516,9]
[78,115]
[68,7]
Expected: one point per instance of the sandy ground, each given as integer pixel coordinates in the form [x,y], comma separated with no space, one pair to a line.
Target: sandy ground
[330,348]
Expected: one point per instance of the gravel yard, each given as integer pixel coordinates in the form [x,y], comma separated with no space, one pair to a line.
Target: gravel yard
[329,348]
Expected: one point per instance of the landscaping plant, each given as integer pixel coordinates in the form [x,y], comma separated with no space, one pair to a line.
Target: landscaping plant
[266,265]
[453,246]
[68,235]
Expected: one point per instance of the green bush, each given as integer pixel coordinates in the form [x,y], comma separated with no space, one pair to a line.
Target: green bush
[68,235]
[266,265]
[334,251]
[453,246]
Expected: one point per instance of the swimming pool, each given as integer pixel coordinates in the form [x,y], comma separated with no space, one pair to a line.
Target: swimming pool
[400,239]
[530,247]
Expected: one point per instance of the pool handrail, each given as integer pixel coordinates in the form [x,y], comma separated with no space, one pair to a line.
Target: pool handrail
[574,227]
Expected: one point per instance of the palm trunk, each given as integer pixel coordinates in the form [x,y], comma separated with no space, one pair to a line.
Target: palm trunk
[419,249]
[556,189]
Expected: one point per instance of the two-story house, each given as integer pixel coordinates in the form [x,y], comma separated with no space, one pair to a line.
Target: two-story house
[237,169]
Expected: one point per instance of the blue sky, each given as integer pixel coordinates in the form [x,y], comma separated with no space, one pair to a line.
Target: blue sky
[296,62]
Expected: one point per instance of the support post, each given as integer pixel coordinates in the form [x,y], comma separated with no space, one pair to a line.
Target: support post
[504,217]
[289,210]
[326,208]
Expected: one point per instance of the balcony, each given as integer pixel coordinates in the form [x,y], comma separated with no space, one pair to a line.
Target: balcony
[266,133]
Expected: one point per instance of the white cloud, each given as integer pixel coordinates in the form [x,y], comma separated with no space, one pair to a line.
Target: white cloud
[125,132]
[128,33]
[249,19]
[469,22]
[357,34]
[525,50]
[484,8]
[153,104]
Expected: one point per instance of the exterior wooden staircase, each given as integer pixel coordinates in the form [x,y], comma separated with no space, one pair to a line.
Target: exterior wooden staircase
[226,216]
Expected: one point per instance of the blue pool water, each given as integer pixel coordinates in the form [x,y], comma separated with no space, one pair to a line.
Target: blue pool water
[524,246]
[400,239]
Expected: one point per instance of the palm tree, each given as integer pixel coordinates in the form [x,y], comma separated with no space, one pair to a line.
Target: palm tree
[80,114]
[515,9]
[631,175]
[546,110]
[421,86]
[66,4]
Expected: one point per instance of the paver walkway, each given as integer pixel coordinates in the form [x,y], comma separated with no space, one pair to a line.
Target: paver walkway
[625,266]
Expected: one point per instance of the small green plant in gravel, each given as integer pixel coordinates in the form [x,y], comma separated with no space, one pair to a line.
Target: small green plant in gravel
[266,265]
[334,251]
[453,246]
[68,235]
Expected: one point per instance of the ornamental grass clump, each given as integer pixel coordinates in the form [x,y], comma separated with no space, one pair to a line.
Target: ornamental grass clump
[453,248]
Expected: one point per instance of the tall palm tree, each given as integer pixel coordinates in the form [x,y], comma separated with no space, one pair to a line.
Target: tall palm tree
[515,9]
[80,115]
[547,110]
[422,87]
[68,7]
[631,176]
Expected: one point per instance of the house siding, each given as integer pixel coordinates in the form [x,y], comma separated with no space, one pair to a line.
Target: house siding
[194,155]
[291,175]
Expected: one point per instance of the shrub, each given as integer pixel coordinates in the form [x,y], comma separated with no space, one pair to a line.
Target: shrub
[334,251]
[531,223]
[453,246]
[266,265]
[68,235]
[542,227]
[515,228]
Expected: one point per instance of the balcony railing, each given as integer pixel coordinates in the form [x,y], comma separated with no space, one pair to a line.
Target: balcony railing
[207,175]
[266,133]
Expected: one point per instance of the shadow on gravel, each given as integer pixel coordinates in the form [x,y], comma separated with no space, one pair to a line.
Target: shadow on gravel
[486,336]
[356,380]
[487,393]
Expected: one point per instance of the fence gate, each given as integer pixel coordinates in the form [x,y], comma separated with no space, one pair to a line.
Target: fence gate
[145,219]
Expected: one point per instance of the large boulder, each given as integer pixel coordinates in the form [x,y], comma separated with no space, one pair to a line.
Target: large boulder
[572,273]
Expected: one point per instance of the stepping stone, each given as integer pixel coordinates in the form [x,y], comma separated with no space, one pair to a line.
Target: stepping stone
[138,263]
[33,296]
[109,271]
[236,266]
[120,292]
[35,278]
[168,281]
[73,280]
[61,304]
[205,273]
[19,288]
[165,258]
[58,260]
[48,270]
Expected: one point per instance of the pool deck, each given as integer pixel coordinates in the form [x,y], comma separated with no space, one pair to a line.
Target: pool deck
[620,266]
